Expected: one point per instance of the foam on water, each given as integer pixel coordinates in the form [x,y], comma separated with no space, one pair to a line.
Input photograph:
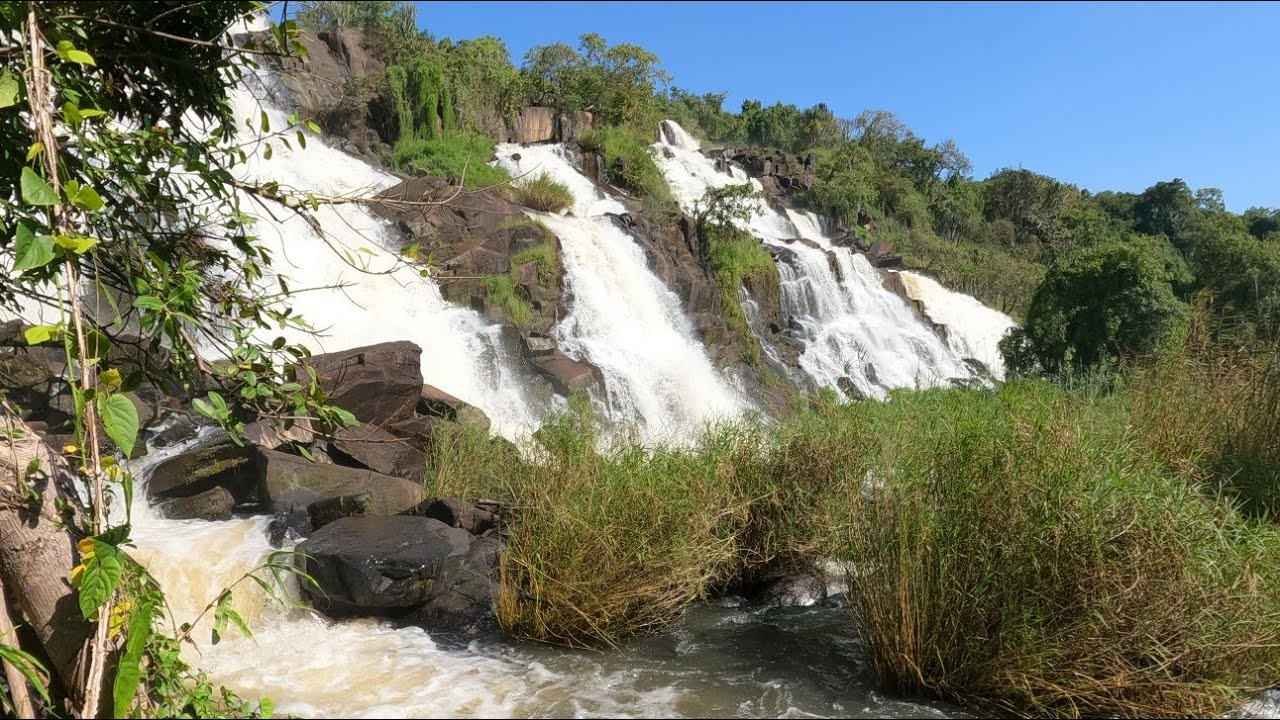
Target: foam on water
[623,318]
[854,329]
[973,329]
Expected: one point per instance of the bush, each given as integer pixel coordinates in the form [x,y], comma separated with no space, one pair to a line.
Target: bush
[457,156]
[544,193]
[1019,557]
[628,161]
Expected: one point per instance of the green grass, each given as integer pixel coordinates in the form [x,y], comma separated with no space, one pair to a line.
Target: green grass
[736,255]
[544,254]
[450,157]
[544,193]
[501,289]
[629,162]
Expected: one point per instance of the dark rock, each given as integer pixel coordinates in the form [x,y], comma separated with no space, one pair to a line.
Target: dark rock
[286,526]
[539,345]
[271,435]
[567,375]
[29,377]
[382,566]
[325,511]
[213,504]
[437,403]
[379,384]
[457,513]
[374,448]
[798,590]
[288,483]
[214,462]
[178,428]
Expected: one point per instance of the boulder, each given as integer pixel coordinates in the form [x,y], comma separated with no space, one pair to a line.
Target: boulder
[437,403]
[214,462]
[798,590]
[567,375]
[213,504]
[287,483]
[271,435]
[379,384]
[534,125]
[402,566]
[380,451]
[285,526]
[323,512]
[474,518]
[177,428]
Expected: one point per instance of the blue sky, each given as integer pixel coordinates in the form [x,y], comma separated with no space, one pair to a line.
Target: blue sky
[1106,96]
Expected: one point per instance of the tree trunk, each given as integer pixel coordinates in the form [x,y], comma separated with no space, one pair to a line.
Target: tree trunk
[37,554]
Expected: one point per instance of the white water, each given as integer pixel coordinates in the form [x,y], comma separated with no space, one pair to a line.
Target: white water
[973,329]
[852,326]
[623,318]
[383,299]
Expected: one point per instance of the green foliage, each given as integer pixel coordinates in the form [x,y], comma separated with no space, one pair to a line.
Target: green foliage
[422,99]
[501,290]
[458,156]
[486,86]
[391,26]
[1103,302]
[544,254]
[628,161]
[619,82]
[1018,555]
[30,668]
[543,193]
[735,256]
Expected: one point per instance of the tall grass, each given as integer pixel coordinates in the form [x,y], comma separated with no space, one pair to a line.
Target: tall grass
[1020,557]
[544,193]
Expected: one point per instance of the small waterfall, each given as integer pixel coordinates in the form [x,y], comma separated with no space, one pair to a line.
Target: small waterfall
[973,329]
[380,298]
[854,329]
[623,318]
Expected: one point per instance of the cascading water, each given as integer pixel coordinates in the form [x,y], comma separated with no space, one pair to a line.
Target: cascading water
[380,297]
[973,329]
[854,329]
[623,318]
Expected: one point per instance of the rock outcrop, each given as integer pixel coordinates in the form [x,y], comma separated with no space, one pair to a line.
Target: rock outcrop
[289,483]
[379,384]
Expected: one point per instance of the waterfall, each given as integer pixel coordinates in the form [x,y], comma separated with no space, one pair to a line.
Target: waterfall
[381,298]
[973,329]
[623,318]
[856,333]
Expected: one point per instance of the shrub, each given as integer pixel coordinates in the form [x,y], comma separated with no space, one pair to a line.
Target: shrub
[457,156]
[544,193]
[628,161]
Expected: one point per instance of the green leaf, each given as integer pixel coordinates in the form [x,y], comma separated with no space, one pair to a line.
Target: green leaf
[67,51]
[35,191]
[266,708]
[220,613]
[40,333]
[86,198]
[96,343]
[29,666]
[120,420]
[313,127]
[34,150]
[129,670]
[31,251]
[102,573]
[239,622]
[266,122]
[10,88]
[111,378]
[75,244]
[148,302]
[116,536]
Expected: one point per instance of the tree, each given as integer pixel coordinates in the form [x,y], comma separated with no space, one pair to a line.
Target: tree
[1165,209]
[1100,303]
[391,26]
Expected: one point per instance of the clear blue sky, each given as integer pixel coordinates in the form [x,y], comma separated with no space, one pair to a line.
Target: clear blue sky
[1106,96]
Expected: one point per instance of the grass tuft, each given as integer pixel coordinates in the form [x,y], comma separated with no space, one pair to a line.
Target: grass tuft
[544,193]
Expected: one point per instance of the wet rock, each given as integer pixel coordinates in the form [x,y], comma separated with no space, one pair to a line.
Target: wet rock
[323,512]
[407,566]
[379,384]
[288,483]
[567,375]
[288,526]
[474,518]
[382,452]
[798,590]
[213,504]
[214,462]
[177,429]
[437,403]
